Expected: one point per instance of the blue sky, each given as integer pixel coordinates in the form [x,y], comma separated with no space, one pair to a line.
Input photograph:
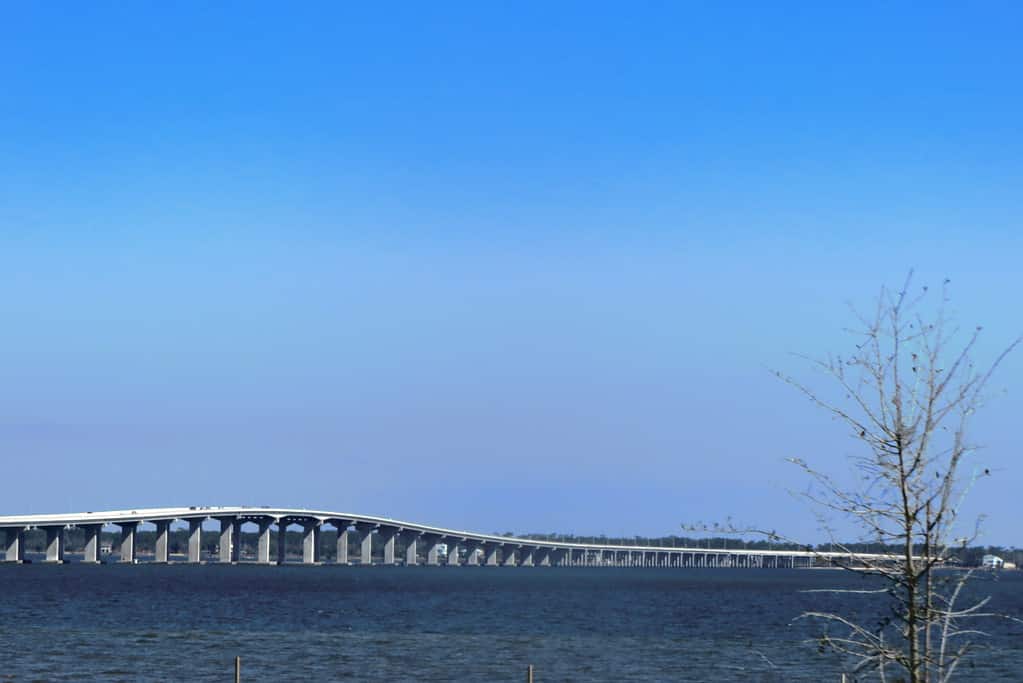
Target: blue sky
[506,267]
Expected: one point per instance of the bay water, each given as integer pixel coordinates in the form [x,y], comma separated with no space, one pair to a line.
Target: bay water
[112,622]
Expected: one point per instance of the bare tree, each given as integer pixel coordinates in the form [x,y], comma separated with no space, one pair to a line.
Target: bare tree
[906,392]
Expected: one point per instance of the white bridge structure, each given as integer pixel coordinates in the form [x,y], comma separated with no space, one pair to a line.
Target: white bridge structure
[421,544]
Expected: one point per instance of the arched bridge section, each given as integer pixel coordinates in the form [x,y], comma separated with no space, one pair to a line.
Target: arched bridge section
[364,540]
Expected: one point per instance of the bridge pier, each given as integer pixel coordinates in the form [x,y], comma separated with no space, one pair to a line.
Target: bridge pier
[341,556]
[389,534]
[491,554]
[472,556]
[542,556]
[432,550]
[195,541]
[263,542]
[92,543]
[411,548]
[54,544]
[366,545]
[311,542]
[127,548]
[15,545]
[229,540]
[526,554]
[452,560]
[282,540]
[162,541]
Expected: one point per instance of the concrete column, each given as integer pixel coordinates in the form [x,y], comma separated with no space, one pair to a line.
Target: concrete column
[92,541]
[263,543]
[542,557]
[236,541]
[128,541]
[282,540]
[342,545]
[411,548]
[227,539]
[366,549]
[432,554]
[54,543]
[526,555]
[195,541]
[472,558]
[389,535]
[452,552]
[508,553]
[163,541]
[311,542]
[490,553]
[15,551]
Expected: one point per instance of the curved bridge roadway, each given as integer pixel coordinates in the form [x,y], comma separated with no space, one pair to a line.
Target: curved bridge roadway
[417,543]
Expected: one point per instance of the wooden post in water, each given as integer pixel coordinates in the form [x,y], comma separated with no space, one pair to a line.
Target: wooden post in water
[529,674]
[237,670]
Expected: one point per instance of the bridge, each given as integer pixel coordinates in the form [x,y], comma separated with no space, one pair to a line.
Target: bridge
[402,542]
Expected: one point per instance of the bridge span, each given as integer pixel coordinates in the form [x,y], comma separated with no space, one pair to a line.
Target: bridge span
[401,542]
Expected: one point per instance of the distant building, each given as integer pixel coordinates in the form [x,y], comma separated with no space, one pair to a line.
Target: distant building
[992,562]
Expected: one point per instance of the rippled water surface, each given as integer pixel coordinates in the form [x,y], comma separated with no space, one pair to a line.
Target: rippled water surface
[328,623]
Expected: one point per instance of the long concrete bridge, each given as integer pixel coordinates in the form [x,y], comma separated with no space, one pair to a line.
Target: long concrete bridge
[421,544]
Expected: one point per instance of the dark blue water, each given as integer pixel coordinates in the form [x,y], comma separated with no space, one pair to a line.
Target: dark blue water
[294,623]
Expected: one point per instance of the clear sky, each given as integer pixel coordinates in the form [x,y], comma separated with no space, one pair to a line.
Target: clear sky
[507,267]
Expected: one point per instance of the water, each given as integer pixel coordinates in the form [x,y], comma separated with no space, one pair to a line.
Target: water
[294,623]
